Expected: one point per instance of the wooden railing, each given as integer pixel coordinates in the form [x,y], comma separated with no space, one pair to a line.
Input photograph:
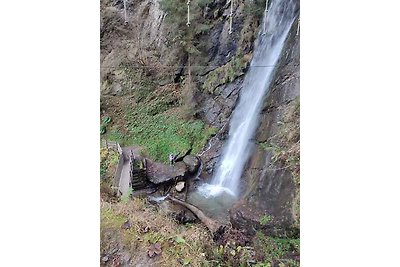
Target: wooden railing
[112,145]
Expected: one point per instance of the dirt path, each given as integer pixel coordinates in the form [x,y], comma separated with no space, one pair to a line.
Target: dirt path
[124,179]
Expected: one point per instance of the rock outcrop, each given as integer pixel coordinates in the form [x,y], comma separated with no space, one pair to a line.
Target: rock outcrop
[192,163]
[158,173]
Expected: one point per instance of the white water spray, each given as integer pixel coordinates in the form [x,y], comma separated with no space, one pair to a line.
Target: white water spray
[244,121]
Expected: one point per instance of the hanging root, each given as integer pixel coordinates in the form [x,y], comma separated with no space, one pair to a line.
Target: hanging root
[216,229]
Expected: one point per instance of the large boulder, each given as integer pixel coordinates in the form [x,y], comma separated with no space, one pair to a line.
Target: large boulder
[192,163]
[159,173]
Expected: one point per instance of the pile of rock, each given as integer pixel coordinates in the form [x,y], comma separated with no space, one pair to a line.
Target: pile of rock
[158,173]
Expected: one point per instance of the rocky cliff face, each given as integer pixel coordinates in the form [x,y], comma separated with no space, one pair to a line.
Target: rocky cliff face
[146,40]
[139,43]
[271,180]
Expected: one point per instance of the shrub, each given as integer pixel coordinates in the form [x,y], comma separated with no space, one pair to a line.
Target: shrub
[176,17]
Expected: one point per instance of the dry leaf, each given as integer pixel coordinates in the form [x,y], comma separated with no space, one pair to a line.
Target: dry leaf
[154,249]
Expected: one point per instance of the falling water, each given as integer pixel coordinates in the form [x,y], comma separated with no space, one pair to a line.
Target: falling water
[244,121]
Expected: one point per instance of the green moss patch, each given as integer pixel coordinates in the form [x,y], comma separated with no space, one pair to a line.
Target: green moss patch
[226,73]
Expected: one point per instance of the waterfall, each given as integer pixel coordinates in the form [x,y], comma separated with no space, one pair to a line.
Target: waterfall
[245,117]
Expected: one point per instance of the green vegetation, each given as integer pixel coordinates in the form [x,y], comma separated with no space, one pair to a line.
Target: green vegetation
[110,219]
[254,8]
[184,245]
[103,126]
[162,134]
[226,73]
[159,119]
[103,129]
[265,219]
[277,250]
[106,120]
[276,150]
[231,254]
[157,123]
[182,34]
[285,144]
[137,80]
[125,198]
[253,12]
[108,163]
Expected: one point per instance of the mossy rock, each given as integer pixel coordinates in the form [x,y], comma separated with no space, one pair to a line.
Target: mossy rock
[226,73]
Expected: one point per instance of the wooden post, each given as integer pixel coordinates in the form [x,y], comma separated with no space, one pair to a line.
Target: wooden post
[188,13]
[126,21]
[265,18]
[230,18]
[189,74]
[298,27]
[119,148]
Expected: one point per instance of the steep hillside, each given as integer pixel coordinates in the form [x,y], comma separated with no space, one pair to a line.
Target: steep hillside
[145,68]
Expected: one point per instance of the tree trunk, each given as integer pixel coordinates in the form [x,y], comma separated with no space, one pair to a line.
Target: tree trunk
[216,229]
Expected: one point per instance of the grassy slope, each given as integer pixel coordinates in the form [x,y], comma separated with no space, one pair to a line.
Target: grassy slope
[153,117]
